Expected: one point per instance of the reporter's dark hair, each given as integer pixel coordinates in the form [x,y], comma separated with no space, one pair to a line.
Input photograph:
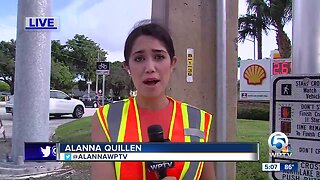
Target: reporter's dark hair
[148,28]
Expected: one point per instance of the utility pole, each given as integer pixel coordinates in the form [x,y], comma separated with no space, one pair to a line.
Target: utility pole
[32,79]
[306,34]
[32,91]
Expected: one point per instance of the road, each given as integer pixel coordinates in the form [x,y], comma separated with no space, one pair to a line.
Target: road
[53,123]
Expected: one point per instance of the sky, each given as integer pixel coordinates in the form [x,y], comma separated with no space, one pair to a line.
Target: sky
[108,23]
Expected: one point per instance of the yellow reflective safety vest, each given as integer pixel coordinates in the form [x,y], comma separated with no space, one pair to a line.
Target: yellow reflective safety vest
[120,122]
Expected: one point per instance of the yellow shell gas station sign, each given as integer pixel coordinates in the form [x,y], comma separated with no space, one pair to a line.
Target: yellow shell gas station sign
[254,74]
[255,77]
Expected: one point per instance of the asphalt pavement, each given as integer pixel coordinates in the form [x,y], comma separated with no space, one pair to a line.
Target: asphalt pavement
[53,122]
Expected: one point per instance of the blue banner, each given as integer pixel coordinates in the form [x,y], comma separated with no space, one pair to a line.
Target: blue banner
[40,151]
[160,147]
[289,166]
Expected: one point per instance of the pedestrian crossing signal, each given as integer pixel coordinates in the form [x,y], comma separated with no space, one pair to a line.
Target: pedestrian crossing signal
[285,112]
[286,89]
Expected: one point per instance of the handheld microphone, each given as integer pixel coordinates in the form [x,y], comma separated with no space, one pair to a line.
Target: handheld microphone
[155,134]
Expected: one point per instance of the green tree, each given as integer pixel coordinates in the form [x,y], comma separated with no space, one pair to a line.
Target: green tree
[251,25]
[83,53]
[82,85]
[60,53]
[7,61]
[276,13]
[4,87]
[281,14]
[61,77]
[118,80]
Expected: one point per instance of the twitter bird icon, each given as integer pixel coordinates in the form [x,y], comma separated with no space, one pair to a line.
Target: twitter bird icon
[46,151]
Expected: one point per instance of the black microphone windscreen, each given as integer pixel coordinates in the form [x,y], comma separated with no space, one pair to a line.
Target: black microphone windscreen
[155,133]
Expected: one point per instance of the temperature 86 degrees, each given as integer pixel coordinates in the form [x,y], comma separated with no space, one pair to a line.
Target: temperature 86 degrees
[289,166]
[270,166]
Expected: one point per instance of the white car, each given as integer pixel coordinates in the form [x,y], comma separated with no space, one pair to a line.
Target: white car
[60,104]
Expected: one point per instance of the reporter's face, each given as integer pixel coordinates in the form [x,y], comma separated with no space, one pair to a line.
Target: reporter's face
[150,66]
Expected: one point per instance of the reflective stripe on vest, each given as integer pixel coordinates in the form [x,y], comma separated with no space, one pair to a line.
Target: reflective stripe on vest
[188,124]
[195,121]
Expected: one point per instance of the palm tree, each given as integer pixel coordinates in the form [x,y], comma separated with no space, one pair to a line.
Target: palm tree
[276,13]
[252,26]
[281,14]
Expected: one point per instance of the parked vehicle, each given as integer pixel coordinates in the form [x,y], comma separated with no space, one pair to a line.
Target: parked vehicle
[107,100]
[89,101]
[60,104]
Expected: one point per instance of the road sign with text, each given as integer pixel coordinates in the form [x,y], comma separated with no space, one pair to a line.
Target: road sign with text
[295,111]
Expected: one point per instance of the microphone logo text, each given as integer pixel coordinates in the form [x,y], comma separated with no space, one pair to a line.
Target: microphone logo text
[155,166]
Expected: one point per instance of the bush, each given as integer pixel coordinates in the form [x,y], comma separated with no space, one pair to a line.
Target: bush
[4,86]
[2,98]
[256,111]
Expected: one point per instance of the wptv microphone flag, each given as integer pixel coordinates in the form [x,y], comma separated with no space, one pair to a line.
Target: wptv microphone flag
[143,151]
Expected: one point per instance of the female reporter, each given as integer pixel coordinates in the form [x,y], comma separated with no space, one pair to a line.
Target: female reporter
[150,59]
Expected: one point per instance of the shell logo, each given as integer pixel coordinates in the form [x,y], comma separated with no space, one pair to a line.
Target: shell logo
[254,74]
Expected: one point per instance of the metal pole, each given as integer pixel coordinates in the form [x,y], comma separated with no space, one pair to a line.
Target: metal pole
[89,86]
[221,89]
[306,37]
[97,83]
[32,79]
[254,49]
[103,88]
[97,76]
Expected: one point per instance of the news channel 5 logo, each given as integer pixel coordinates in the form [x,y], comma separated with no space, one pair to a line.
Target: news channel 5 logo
[278,141]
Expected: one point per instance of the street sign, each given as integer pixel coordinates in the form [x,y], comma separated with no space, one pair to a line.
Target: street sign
[295,111]
[103,68]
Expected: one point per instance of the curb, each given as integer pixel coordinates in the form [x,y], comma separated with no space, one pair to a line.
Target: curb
[9,169]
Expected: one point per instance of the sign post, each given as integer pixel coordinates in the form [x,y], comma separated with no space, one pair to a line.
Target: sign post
[89,86]
[103,68]
[295,111]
